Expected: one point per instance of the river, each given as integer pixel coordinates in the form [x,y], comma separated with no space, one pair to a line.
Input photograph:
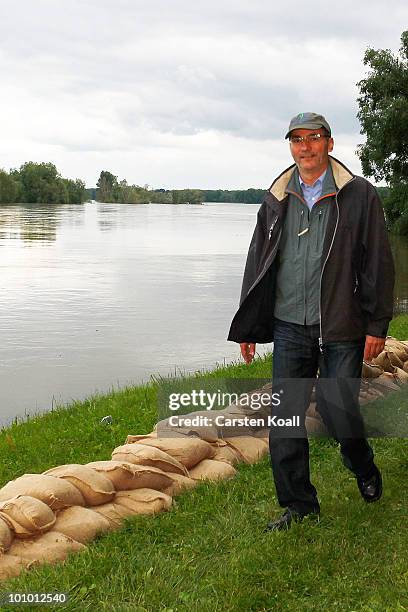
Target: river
[100,296]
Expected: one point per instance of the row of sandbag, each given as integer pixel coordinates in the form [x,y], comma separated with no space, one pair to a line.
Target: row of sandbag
[44,517]
[383,375]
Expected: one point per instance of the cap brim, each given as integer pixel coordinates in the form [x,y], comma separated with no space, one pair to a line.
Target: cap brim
[308,126]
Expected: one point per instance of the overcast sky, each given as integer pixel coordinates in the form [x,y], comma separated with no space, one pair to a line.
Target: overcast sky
[175,93]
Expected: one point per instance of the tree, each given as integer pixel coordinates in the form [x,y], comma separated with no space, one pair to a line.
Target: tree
[161,196]
[383,113]
[187,196]
[107,187]
[132,194]
[41,183]
[76,191]
[8,188]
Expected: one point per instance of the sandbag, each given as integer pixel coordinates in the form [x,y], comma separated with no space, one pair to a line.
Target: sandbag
[231,421]
[140,454]
[143,501]
[227,454]
[369,393]
[114,513]
[26,515]
[6,536]
[11,566]
[95,487]
[385,382]
[81,524]
[371,370]
[263,434]
[398,347]
[401,376]
[315,426]
[188,451]
[180,483]
[246,402]
[208,469]
[250,448]
[52,491]
[200,425]
[401,353]
[395,360]
[384,361]
[48,548]
[125,476]
[133,439]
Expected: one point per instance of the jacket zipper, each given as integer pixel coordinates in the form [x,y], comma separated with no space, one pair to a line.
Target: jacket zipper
[272,226]
[356,282]
[324,265]
[318,231]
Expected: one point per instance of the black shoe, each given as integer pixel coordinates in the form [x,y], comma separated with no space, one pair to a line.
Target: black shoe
[285,521]
[371,487]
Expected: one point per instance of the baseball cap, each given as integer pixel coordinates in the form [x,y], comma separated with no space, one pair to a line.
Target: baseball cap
[308,121]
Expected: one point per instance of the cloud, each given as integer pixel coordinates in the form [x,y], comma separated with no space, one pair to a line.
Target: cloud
[174,90]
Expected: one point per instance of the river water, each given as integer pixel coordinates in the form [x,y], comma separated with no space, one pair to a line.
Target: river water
[99,296]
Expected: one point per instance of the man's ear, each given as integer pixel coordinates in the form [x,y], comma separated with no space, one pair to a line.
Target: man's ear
[330,145]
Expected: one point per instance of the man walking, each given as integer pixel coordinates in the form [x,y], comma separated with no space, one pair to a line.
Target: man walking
[318,282]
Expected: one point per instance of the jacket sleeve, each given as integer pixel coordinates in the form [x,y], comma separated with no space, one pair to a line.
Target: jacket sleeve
[255,250]
[377,268]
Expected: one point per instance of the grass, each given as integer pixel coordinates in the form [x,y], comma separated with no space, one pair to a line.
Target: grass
[210,553]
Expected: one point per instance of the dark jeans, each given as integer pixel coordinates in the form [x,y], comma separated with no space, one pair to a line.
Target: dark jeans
[296,361]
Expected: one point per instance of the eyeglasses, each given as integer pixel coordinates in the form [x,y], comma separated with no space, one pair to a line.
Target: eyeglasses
[310,138]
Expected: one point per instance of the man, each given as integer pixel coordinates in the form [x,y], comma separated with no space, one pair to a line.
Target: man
[319,283]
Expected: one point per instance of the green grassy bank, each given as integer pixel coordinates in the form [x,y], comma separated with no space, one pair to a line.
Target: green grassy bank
[209,553]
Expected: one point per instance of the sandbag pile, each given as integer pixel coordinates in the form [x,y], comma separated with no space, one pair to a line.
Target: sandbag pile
[45,517]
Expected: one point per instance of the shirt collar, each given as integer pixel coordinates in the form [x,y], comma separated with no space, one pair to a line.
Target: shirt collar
[316,183]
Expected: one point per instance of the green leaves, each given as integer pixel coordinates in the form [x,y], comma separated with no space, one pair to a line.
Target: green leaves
[383,113]
[8,188]
[39,183]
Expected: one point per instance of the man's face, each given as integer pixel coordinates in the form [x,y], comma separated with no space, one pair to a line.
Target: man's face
[311,157]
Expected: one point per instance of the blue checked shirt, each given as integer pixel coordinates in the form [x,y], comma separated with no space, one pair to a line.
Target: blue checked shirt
[312,193]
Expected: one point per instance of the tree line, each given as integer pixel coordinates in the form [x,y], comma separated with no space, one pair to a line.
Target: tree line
[110,189]
[40,183]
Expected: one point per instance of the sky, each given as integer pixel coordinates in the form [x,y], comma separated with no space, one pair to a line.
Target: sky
[175,93]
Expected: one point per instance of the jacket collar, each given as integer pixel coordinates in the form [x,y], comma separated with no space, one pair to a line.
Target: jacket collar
[341,176]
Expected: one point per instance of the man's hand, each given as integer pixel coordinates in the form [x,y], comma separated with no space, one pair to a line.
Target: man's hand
[247,351]
[373,347]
